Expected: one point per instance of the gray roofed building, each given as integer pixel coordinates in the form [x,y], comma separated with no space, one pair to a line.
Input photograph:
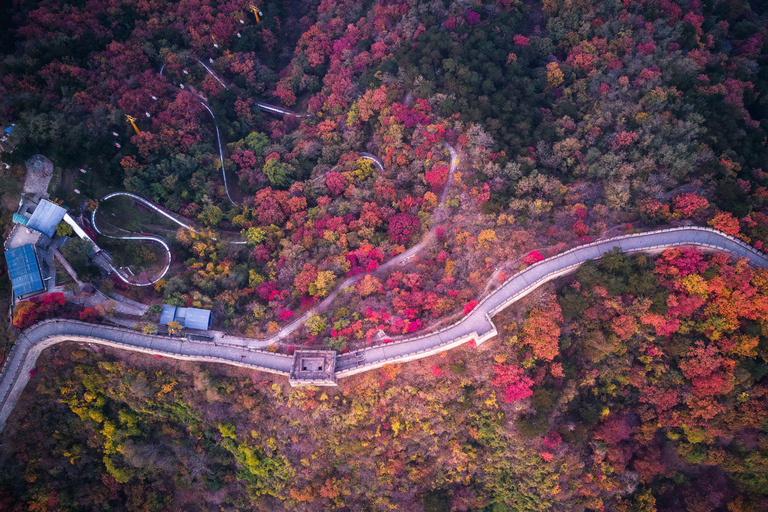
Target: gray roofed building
[24,271]
[191,318]
[46,217]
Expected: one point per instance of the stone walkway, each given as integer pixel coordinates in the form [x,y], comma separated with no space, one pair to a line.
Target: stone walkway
[476,326]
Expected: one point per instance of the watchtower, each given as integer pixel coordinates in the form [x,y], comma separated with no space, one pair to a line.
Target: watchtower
[313,368]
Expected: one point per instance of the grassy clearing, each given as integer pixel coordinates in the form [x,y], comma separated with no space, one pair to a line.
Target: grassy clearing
[126,214]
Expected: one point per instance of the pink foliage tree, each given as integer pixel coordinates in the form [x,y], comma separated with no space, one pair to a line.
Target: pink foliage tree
[516,385]
[533,257]
[402,226]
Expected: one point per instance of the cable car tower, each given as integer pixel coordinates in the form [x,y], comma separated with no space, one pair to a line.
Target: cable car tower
[132,120]
[257,13]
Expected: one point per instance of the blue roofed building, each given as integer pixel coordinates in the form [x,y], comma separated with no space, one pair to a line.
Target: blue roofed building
[198,319]
[24,271]
[168,314]
[190,318]
[46,217]
[8,140]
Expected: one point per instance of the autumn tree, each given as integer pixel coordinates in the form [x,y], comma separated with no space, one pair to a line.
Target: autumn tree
[402,226]
[725,222]
[174,328]
[541,330]
[513,381]
[689,205]
[25,315]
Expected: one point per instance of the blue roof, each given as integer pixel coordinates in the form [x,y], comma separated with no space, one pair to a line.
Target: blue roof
[9,130]
[23,270]
[198,319]
[46,217]
[20,219]
[168,314]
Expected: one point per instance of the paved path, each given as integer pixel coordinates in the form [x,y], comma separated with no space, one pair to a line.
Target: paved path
[400,259]
[476,326]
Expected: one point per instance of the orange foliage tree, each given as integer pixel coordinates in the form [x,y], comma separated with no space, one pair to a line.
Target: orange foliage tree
[26,315]
[726,223]
[688,205]
[542,330]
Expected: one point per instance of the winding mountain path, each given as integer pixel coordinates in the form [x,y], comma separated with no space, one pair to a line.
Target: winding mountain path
[290,328]
[400,259]
[145,237]
[477,325]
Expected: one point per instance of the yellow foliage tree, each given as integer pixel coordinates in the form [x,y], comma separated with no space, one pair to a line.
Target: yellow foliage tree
[485,238]
[555,77]
[368,286]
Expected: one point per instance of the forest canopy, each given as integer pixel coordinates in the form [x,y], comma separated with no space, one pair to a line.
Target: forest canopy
[639,385]
[573,120]
[404,159]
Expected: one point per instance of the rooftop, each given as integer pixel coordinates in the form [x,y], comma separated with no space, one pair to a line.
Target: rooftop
[313,368]
[46,217]
[168,314]
[24,270]
[21,235]
[198,319]
[191,318]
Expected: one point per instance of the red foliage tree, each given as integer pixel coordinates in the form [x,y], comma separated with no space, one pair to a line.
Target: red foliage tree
[521,40]
[437,177]
[51,303]
[533,257]
[624,139]
[89,314]
[469,307]
[688,205]
[336,183]
[271,206]
[516,385]
[402,226]
[580,229]
[614,429]
[709,372]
